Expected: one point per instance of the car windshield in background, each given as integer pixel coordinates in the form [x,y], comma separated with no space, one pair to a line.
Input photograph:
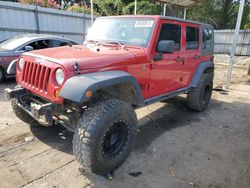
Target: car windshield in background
[128,31]
[13,43]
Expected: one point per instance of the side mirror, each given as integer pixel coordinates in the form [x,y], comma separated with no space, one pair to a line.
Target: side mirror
[28,48]
[166,46]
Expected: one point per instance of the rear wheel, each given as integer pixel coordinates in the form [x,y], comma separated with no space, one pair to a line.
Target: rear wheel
[199,97]
[2,74]
[104,136]
[22,115]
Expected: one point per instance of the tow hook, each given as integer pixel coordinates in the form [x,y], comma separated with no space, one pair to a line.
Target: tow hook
[42,113]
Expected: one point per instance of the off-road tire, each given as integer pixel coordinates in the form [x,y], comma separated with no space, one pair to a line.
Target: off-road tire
[2,75]
[90,135]
[199,97]
[22,115]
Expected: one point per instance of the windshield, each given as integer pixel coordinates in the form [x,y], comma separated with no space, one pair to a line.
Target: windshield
[13,43]
[128,31]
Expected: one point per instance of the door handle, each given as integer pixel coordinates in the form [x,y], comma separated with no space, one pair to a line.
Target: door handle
[196,57]
[180,59]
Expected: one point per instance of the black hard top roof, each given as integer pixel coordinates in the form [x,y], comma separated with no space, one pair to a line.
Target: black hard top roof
[184,20]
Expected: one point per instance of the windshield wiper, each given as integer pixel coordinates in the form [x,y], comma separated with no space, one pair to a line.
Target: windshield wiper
[115,42]
[93,41]
[107,42]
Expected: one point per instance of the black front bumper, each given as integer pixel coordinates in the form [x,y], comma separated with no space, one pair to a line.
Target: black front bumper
[42,112]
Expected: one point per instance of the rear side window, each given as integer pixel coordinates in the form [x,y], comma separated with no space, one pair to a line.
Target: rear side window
[171,32]
[192,38]
[59,43]
[207,38]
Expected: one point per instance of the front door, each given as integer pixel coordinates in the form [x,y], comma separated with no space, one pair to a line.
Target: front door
[165,75]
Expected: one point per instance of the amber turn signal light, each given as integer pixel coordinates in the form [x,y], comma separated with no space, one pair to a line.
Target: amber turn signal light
[57,93]
[88,93]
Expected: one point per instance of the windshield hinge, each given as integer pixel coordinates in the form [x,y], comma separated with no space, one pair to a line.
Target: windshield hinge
[76,68]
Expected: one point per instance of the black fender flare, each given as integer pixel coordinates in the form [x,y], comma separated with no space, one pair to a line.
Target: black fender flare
[74,88]
[199,71]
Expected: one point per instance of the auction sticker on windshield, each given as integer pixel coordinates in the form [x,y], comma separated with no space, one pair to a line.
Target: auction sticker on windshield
[144,23]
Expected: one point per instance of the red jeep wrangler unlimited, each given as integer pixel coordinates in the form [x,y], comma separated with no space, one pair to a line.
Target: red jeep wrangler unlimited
[126,62]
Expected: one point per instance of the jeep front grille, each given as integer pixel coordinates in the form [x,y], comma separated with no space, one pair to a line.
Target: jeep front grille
[36,75]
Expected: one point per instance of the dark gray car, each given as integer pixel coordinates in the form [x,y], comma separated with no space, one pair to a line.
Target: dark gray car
[11,49]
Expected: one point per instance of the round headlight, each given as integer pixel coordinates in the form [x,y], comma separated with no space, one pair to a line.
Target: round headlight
[59,76]
[21,63]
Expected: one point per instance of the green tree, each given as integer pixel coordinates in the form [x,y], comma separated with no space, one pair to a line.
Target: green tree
[220,13]
[143,8]
[80,9]
[247,25]
[108,7]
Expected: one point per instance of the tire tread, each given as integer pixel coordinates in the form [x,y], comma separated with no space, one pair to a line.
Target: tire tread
[84,138]
[22,115]
[193,97]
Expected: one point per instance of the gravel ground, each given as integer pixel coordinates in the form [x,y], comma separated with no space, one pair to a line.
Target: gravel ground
[175,147]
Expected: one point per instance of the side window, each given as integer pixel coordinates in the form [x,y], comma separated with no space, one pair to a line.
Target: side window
[171,32]
[192,38]
[207,40]
[40,44]
[59,43]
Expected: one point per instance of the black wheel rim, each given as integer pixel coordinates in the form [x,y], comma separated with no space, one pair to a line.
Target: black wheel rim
[206,94]
[115,139]
[1,75]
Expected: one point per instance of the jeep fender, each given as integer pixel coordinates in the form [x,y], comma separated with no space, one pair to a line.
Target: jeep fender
[199,71]
[74,89]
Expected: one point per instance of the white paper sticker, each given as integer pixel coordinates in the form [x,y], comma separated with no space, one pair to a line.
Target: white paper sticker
[144,23]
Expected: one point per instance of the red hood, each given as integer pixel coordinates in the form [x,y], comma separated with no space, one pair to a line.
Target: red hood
[91,56]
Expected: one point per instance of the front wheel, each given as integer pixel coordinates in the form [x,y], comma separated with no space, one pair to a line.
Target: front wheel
[2,75]
[199,97]
[104,136]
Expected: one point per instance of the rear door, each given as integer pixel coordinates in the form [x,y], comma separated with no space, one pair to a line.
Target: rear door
[192,52]
[57,43]
[165,74]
